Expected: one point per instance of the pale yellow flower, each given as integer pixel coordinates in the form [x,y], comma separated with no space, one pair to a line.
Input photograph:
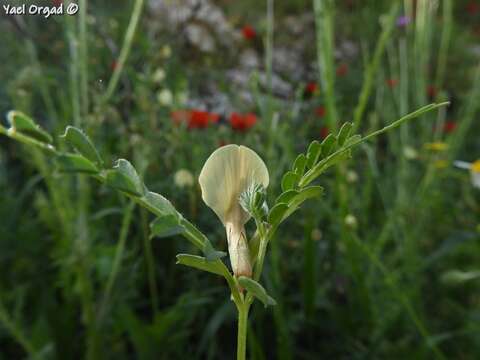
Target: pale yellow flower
[227,173]
[436,146]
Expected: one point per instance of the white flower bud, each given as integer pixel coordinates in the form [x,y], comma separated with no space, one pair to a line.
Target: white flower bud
[165,97]
[410,153]
[351,221]
[352,176]
[183,178]
[158,75]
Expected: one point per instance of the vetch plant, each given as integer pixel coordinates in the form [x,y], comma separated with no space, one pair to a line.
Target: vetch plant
[233,180]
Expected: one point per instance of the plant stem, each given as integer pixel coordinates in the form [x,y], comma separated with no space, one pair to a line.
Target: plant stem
[150,262]
[83,54]
[242,330]
[119,252]
[324,14]
[124,52]
[373,66]
[15,331]
[400,294]
[265,237]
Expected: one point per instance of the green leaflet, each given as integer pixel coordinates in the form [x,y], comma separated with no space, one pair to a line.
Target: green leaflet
[328,145]
[80,141]
[159,205]
[313,153]
[344,133]
[200,263]
[286,196]
[166,226]
[75,163]
[124,177]
[299,165]
[277,213]
[289,180]
[25,125]
[256,290]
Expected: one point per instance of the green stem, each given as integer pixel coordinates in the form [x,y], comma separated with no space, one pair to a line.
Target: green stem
[83,55]
[242,330]
[15,331]
[444,43]
[265,237]
[124,52]
[269,108]
[324,15]
[400,294]
[373,66]
[122,239]
[42,85]
[73,70]
[150,263]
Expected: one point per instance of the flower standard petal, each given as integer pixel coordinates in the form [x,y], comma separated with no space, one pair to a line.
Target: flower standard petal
[228,172]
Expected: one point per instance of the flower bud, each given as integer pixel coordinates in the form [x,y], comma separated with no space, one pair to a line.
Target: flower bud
[351,221]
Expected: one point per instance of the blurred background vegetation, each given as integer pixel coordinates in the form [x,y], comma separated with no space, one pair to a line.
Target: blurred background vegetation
[385,265]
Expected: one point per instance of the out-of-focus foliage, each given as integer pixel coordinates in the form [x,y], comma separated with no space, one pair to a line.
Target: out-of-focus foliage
[385,265]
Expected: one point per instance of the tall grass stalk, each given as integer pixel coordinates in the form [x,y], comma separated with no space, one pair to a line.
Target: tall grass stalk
[125,50]
[12,327]
[397,291]
[372,68]
[150,261]
[324,23]
[119,254]
[83,56]
[42,84]
[73,70]
[447,23]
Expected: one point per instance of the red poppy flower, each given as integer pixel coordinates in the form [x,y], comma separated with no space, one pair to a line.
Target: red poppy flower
[195,119]
[324,132]
[431,91]
[320,111]
[392,83]
[249,32]
[449,127]
[473,7]
[243,122]
[311,88]
[57,3]
[201,119]
[342,70]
